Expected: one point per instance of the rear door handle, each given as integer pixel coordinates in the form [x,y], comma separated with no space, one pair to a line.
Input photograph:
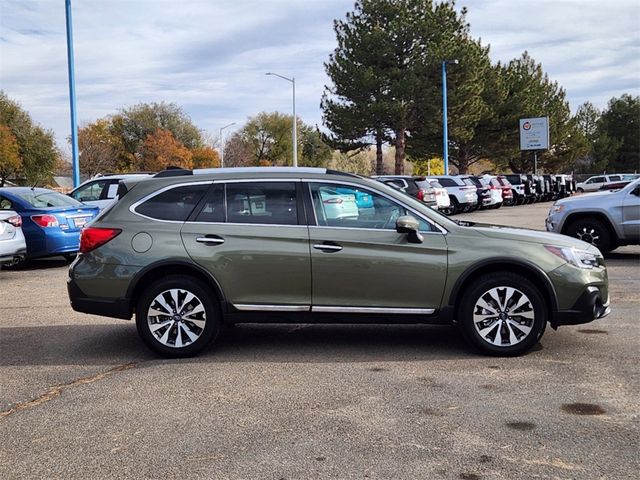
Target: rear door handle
[210,240]
[328,247]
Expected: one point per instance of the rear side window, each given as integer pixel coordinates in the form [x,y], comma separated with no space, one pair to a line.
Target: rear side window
[468,181]
[175,204]
[447,182]
[262,202]
[213,208]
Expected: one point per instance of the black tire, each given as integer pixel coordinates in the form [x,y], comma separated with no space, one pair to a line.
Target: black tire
[593,231]
[534,303]
[453,208]
[70,257]
[182,328]
[580,190]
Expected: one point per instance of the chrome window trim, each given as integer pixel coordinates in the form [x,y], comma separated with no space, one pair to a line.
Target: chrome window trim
[133,206]
[393,310]
[443,231]
[245,224]
[250,307]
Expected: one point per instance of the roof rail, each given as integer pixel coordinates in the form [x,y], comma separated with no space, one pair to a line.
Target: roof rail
[179,172]
[173,172]
[204,171]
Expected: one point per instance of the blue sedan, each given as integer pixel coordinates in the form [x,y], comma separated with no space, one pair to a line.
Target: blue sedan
[51,221]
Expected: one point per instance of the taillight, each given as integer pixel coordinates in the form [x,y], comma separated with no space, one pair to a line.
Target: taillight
[45,221]
[333,200]
[93,237]
[16,220]
[420,195]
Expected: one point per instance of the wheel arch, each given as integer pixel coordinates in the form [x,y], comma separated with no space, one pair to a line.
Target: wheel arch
[527,270]
[162,268]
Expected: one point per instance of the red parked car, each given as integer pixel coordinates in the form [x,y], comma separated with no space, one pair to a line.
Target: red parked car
[507,189]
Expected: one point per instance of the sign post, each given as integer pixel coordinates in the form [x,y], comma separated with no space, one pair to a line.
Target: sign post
[534,135]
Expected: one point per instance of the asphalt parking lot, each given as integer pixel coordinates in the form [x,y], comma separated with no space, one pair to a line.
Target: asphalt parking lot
[80,396]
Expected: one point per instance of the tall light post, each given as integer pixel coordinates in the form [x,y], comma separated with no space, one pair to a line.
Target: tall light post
[445,136]
[295,133]
[222,143]
[72,97]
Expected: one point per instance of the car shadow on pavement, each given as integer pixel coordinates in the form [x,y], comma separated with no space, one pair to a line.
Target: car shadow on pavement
[119,343]
[39,264]
[622,256]
[309,343]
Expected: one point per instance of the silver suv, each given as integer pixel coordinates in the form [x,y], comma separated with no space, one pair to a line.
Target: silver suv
[606,219]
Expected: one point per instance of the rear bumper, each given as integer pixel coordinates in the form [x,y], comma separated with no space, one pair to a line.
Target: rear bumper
[119,308]
[590,306]
[13,257]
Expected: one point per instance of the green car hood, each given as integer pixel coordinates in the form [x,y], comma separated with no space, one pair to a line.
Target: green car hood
[500,232]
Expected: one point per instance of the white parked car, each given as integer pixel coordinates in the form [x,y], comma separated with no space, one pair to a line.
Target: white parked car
[593,184]
[443,201]
[13,246]
[495,190]
[336,205]
[101,191]
[462,192]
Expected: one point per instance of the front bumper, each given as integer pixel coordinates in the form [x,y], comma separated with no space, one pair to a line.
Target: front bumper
[590,306]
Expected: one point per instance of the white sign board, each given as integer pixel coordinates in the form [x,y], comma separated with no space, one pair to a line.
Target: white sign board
[534,133]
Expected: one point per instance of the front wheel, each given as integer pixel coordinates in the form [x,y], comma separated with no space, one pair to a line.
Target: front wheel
[177,317]
[503,314]
[592,231]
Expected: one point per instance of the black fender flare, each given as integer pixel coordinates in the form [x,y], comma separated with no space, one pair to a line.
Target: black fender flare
[180,263]
[540,276]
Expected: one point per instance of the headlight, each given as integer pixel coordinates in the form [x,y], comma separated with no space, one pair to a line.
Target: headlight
[556,209]
[576,257]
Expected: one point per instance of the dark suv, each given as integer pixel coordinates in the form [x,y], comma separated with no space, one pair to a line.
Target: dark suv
[189,250]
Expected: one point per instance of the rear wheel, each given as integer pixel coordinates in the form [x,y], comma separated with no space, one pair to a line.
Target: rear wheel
[177,317]
[593,231]
[503,315]
[453,207]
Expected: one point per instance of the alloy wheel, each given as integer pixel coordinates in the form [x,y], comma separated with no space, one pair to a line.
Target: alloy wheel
[176,318]
[503,316]
[588,234]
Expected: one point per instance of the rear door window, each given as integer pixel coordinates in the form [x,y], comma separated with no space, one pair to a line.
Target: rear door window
[262,203]
[213,209]
[175,204]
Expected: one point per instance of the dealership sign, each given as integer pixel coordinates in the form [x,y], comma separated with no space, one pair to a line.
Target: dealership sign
[534,133]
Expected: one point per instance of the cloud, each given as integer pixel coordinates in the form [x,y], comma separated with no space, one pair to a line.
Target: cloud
[210,57]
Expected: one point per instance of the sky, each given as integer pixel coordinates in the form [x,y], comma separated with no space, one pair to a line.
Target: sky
[210,57]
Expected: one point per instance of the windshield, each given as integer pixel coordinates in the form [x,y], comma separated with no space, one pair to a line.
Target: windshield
[47,198]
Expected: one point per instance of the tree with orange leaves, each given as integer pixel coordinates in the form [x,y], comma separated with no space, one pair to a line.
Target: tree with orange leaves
[10,161]
[205,157]
[162,150]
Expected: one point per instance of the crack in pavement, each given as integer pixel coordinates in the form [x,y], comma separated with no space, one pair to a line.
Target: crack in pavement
[54,392]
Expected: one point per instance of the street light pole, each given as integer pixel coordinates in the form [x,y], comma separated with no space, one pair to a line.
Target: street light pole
[72,97]
[445,136]
[295,128]
[222,143]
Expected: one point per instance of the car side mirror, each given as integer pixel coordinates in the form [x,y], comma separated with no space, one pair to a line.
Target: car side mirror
[409,225]
[636,192]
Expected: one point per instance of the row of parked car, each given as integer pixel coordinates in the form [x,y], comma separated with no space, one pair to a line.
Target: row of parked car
[454,194]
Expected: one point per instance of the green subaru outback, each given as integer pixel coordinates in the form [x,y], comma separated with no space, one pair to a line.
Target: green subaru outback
[188,251]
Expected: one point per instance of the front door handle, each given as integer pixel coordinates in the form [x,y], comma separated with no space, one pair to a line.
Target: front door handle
[328,247]
[210,240]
